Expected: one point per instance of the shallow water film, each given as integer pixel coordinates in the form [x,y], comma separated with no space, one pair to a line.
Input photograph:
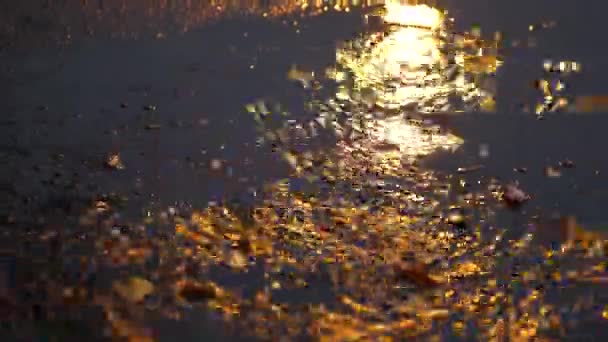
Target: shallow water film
[185,170]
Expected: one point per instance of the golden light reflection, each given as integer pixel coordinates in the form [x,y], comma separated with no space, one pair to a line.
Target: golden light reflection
[421,67]
[412,140]
[407,70]
[553,90]
[420,15]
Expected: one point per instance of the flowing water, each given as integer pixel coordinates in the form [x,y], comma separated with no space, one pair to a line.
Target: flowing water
[333,171]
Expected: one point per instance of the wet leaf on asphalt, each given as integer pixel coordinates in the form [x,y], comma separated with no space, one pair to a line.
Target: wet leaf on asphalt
[133,289]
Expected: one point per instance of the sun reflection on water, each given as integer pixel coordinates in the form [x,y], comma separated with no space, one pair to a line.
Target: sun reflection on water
[427,68]
[413,15]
